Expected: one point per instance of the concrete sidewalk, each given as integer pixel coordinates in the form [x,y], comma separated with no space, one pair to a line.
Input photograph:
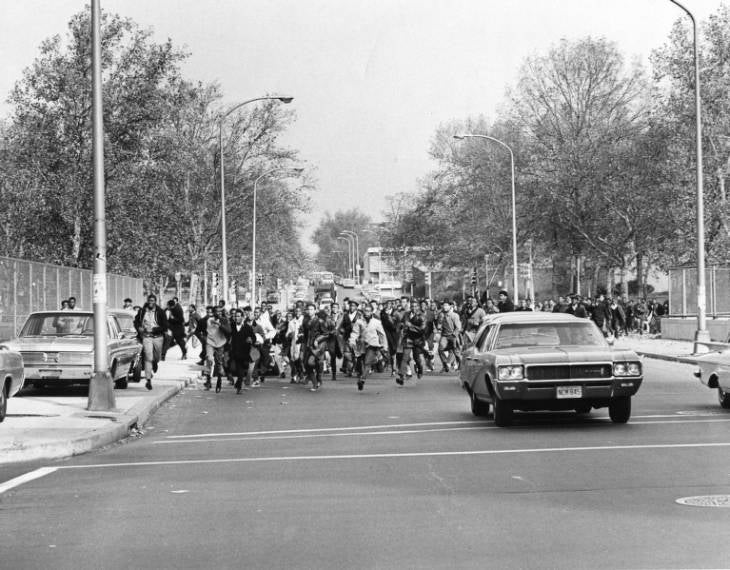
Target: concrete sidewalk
[50,426]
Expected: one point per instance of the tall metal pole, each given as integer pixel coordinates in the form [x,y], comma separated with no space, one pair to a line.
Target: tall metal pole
[702,334]
[356,246]
[224,250]
[514,204]
[101,390]
[349,255]
[350,247]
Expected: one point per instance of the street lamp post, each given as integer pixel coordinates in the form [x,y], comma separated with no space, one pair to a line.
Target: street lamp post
[349,254]
[101,390]
[224,250]
[351,246]
[514,204]
[253,230]
[702,334]
[357,253]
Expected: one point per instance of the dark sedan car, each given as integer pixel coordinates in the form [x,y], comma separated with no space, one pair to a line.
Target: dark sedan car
[547,361]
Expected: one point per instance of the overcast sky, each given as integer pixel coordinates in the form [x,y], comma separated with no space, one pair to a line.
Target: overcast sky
[372,79]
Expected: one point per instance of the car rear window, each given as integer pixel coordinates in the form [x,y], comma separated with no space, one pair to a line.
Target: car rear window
[549,334]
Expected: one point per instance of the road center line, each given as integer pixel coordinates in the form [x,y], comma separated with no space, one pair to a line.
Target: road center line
[317,430]
[315,435]
[399,455]
[25,478]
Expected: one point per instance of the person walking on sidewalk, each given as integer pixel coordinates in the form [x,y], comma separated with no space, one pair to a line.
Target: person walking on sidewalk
[218,330]
[151,326]
[371,342]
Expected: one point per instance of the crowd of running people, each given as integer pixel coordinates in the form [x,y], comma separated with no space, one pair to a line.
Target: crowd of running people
[410,337]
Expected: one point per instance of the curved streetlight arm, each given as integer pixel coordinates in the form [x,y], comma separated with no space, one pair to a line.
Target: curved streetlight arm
[357,252]
[515,291]
[350,245]
[702,334]
[224,248]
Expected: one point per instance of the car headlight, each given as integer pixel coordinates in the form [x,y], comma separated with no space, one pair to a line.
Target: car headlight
[627,368]
[511,372]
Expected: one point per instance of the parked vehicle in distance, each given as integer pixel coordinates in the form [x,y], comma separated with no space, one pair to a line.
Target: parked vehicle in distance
[58,348]
[347,283]
[547,361]
[388,286]
[713,370]
[12,375]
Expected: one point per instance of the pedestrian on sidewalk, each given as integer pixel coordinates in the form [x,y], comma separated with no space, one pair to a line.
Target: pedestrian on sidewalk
[151,326]
[176,325]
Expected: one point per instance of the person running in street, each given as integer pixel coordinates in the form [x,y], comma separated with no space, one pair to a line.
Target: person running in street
[242,338]
[218,331]
[349,335]
[176,325]
[414,339]
[450,328]
[151,325]
[317,334]
[474,317]
[335,344]
[371,343]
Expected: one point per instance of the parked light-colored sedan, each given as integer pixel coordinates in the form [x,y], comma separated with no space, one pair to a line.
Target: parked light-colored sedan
[58,348]
[714,372]
[11,377]
[547,361]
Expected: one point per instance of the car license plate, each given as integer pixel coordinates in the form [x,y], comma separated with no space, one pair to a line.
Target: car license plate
[569,392]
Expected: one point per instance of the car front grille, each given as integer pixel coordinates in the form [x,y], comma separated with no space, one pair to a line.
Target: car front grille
[569,372]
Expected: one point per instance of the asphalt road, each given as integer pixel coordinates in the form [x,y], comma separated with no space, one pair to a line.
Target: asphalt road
[280,477]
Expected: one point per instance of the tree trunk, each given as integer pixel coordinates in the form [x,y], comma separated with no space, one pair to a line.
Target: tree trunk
[640,275]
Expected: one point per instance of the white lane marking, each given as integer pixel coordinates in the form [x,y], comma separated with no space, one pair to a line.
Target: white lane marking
[315,435]
[26,477]
[396,432]
[414,454]
[317,430]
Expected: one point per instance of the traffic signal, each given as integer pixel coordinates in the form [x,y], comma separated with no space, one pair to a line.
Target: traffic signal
[474,276]
[260,279]
[214,280]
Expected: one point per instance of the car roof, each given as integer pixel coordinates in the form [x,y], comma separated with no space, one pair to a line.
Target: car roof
[533,317]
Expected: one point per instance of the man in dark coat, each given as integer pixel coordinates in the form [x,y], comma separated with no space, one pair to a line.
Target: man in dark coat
[176,323]
[242,338]
[505,305]
[577,308]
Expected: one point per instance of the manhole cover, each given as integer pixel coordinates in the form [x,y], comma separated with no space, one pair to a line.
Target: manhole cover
[706,501]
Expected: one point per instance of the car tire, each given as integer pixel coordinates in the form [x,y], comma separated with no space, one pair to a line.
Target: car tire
[502,413]
[619,409]
[724,398]
[3,401]
[478,408]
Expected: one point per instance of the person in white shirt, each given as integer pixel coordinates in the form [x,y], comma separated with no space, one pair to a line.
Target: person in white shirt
[371,341]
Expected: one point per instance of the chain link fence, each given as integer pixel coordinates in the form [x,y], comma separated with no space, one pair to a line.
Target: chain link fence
[683,291]
[28,286]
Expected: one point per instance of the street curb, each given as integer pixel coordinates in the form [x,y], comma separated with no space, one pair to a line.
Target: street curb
[120,428]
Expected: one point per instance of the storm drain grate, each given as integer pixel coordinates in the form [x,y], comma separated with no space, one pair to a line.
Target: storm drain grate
[706,501]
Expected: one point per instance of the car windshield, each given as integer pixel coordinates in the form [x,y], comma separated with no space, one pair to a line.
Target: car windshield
[59,324]
[549,334]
